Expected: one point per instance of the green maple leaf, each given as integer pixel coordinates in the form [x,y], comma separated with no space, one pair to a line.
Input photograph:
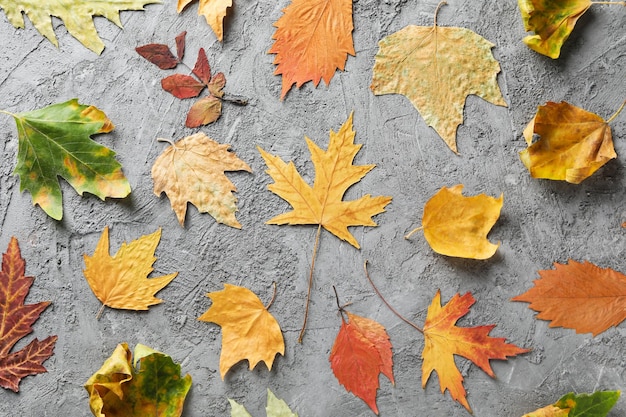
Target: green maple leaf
[76,14]
[55,141]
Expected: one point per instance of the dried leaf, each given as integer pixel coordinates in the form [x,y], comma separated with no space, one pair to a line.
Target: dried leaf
[313,39]
[55,141]
[334,173]
[202,69]
[158,54]
[579,296]
[437,68]
[249,331]
[121,281]
[597,404]
[204,111]
[549,411]
[455,225]
[573,144]
[275,408]
[76,14]
[193,170]
[361,352]
[16,320]
[182,86]
[154,388]
[180,45]
[443,339]
[237,410]
[213,10]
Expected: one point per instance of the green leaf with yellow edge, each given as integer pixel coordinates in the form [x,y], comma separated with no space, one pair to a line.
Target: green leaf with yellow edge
[55,141]
[573,143]
[437,68]
[237,410]
[275,408]
[76,14]
[152,387]
[455,225]
[597,404]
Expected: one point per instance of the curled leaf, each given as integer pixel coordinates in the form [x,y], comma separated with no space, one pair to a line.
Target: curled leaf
[214,12]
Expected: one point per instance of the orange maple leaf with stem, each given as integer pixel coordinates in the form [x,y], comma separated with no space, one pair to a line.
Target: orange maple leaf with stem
[443,339]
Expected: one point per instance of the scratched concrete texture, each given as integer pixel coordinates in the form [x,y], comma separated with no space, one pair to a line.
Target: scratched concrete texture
[541,222]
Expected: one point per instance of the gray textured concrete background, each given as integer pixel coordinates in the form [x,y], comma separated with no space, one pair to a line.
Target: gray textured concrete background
[541,222]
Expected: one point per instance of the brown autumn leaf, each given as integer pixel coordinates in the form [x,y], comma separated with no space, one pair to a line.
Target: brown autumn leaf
[361,352]
[16,320]
[159,54]
[573,143]
[249,331]
[455,225]
[182,86]
[579,296]
[436,68]
[180,45]
[214,12]
[443,339]
[193,170]
[313,39]
[121,281]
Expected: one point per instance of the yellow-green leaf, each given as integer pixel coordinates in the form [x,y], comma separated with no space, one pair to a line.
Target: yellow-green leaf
[597,404]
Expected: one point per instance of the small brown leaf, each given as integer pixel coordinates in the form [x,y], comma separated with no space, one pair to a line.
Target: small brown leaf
[159,54]
[204,111]
[182,86]
[180,45]
[202,69]
[217,84]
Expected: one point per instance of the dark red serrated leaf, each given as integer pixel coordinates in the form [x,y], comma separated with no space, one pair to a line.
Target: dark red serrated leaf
[204,111]
[159,54]
[217,84]
[16,320]
[362,351]
[202,69]
[180,45]
[182,86]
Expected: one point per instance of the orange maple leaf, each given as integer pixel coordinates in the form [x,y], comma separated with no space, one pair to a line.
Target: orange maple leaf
[443,339]
[313,39]
[579,296]
[361,352]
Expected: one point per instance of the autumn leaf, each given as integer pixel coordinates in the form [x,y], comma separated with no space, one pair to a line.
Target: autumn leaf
[159,54]
[579,296]
[573,143]
[443,339]
[312,40]
[597,404]
[55,141]
[275,408]
[121,281]
[214,12]
[361,352]
[192,170]
[249,331]
[154,388]
[455,225]
[436,68]
[16,320]
[76,14]
[182,86]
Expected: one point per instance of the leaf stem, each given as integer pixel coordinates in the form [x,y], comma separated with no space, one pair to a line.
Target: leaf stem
[99,314]
[617,112]
[308,296]
[441,3]
[413,231]
[339,307]
[235,101]
[267,307]
[7,113]
[400,316]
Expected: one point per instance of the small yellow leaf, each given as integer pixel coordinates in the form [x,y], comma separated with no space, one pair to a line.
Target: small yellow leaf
[455,225]
[214,12]
[121,281]
[549,411]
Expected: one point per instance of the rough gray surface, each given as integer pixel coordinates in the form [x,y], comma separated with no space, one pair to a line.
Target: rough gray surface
[542,221]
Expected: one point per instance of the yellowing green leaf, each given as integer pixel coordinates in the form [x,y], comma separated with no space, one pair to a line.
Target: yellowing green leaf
[192,170]
[214,12]
[275,408]
[55,141]
[154,388]
[549,411]
[437,68]
[76,14]
[455,225]
[597,404]
[237,410]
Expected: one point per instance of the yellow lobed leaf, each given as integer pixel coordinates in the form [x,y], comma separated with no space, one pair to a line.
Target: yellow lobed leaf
[573,144]
[192,170]
[214,12]
[455,225]
[121,281]
[334,173]
[249,331]
[108,380]
[437,68]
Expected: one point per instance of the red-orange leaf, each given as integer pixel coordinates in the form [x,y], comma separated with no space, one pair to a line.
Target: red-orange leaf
[313,39]
[202,69]
[443,339]
[361,352]
[182,86]
[159,54]
[16,320]
[579,296]
[180,45]
[204,111]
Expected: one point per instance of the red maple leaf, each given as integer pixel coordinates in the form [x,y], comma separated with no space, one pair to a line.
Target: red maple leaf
[16,319]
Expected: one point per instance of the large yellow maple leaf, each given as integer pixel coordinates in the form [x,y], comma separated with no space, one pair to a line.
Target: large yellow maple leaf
[443,339]
[249,331]
[120,281]
[437,68]
[192,170]
[312,40]
[214,12]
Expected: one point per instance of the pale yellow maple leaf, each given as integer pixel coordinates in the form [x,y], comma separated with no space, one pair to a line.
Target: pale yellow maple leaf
[214,12]
[437,68]
[192,170]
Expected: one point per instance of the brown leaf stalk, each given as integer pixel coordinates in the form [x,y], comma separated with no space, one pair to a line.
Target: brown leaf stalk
[308,295]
